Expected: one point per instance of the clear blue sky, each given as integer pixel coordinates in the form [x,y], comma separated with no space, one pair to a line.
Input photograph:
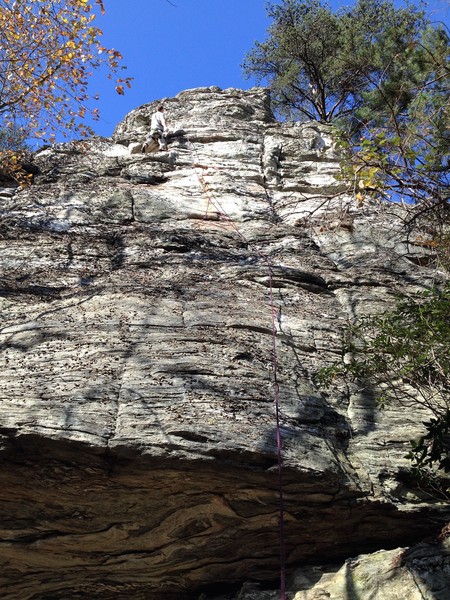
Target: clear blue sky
[173,45]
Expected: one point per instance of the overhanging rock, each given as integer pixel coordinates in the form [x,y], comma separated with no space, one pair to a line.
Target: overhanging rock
[138,436]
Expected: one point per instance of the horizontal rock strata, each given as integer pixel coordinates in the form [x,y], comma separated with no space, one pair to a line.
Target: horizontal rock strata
[142,296]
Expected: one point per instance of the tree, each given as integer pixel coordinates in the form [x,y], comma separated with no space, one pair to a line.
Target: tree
[12,140]
[398,145]
[48,50]
[319,63]
[381,76]
[404,354]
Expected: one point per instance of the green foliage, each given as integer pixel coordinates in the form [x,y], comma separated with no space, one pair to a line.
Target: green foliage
[405,354]
[12,139]
[433,448]
[320,64]
[381,75]
[402,131]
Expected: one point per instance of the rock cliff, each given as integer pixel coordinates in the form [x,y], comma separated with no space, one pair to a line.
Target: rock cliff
[154,309]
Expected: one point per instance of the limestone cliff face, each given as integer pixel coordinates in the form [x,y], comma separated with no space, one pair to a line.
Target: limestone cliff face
[142,298]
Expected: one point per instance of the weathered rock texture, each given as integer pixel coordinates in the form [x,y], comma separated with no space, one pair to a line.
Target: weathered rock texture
[139,295]
[420,573]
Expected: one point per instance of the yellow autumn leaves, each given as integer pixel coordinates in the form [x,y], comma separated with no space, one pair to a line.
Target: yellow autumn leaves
[48,51]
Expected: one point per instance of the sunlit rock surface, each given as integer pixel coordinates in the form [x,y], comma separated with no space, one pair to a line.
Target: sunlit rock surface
[142,298]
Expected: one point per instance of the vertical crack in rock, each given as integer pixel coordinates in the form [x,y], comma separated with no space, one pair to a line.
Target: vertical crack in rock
[137,433]
[264,176]
[133,211]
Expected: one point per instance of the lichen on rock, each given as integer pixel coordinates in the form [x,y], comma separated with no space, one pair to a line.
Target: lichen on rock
[142,295]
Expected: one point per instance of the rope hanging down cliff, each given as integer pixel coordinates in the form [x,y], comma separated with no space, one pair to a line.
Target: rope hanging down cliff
[266,259]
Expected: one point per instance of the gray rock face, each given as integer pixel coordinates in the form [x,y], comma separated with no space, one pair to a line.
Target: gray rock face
[152,306]
[420,573]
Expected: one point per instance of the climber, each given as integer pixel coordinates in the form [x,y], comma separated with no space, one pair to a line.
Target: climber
[158,129]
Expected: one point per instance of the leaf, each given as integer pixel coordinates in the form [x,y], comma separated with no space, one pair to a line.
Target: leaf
[49,51]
